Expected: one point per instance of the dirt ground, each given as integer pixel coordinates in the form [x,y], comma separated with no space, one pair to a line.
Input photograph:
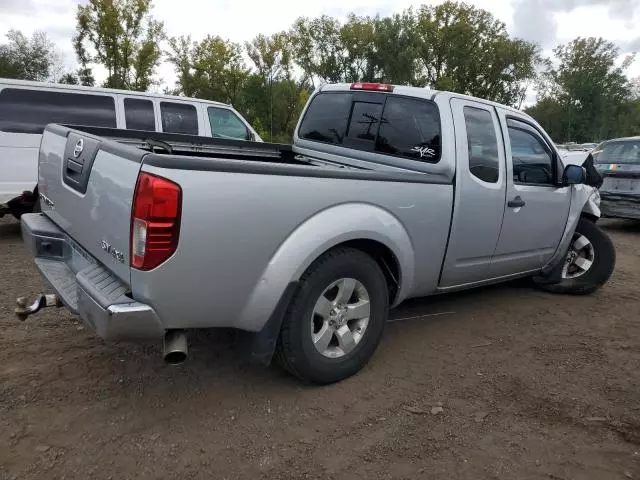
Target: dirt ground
[507,382]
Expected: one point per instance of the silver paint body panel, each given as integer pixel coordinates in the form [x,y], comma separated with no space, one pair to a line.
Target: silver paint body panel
[245,236]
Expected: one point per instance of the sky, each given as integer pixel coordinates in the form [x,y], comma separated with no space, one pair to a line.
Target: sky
[547,22]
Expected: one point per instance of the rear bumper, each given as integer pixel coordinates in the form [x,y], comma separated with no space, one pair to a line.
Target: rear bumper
[85,286]
[620,206]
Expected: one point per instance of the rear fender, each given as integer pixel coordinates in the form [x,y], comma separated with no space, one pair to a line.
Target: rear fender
[318,234]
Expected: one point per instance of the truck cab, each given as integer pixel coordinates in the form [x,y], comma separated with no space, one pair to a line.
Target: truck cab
[510,203]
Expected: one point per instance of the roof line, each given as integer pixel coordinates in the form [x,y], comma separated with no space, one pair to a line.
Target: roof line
[113,91]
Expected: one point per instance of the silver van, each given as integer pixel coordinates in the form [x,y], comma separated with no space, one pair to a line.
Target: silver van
[26,107]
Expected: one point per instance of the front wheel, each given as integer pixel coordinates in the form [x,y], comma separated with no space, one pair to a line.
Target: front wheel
[589,262]
[336,317]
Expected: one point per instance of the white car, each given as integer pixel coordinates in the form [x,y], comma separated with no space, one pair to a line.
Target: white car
[26,107]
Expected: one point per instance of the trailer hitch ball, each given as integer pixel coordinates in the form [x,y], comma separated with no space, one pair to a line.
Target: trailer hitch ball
[23,309]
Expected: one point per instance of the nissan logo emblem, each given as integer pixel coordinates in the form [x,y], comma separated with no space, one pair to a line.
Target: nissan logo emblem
[77,150]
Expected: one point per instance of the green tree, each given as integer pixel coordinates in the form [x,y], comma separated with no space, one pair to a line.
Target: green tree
[586,89]
[69,78]
[357,39]
[395,49]
[212,69]
[26,58]
[271,56]
[180,54]
[79,77]
[273,95]
[465,49]
[122,36]
[318,48]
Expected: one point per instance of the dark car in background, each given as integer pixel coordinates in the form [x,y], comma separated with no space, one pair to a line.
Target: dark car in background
[618,161]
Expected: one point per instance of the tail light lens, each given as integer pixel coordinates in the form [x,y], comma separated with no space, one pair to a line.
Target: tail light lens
[155,221]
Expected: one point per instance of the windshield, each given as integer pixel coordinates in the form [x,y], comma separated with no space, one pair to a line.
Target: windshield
[624,151]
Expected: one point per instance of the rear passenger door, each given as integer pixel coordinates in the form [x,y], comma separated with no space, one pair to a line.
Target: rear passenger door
[536,207]
[479,193]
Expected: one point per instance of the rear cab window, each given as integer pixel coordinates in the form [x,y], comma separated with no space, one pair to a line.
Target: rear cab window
[387,124]
[25,110]
[410,128]
[327,118]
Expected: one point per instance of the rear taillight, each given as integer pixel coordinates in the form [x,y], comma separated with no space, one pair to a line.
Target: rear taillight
[155,221]
[376,87]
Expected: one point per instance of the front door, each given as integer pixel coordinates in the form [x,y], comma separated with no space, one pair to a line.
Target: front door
[479,193]
[536,208]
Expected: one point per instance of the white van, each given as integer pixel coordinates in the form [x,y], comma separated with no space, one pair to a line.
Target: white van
[26,107]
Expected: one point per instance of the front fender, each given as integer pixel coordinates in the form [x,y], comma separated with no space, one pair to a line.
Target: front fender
[316,235]
[585,199]
[592,206]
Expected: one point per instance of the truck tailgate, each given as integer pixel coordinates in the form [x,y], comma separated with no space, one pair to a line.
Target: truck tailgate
[86,187]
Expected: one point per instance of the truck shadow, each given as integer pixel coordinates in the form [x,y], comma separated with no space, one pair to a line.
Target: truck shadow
[9,227]
[222,356]
[624,226]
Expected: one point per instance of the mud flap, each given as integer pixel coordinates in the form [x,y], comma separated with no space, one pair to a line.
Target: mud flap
[263,343]
[553,276]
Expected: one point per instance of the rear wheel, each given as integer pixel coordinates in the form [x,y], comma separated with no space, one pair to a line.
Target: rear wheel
[336,317]
[589,262]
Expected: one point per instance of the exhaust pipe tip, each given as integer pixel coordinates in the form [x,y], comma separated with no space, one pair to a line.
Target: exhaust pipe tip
[175,347]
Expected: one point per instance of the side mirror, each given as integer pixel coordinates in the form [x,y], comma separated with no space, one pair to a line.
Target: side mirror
[250,136]
[573,175]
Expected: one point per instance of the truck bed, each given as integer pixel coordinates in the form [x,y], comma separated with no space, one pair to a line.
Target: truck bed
[201,147]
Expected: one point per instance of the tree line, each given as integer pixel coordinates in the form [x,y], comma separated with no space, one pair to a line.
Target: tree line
[582,93]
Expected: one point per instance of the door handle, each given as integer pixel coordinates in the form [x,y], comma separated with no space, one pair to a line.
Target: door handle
[516,202]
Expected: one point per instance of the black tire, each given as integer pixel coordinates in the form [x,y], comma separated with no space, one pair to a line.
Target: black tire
[602,268]
[295,350]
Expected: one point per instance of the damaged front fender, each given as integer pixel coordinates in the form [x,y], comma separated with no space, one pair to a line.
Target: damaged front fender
[585,200]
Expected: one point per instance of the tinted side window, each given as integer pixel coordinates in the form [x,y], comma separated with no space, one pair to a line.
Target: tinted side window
[179,118]
[484,162]
[410,128]
[28,111]
[138,114]
[532,160]
[226,124]
[326,118]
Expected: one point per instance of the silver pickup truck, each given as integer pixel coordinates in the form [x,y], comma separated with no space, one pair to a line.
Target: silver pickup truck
[388,192]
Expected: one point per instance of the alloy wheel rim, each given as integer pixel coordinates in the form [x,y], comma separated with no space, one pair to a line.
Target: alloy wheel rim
[580,257]
[340,318]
